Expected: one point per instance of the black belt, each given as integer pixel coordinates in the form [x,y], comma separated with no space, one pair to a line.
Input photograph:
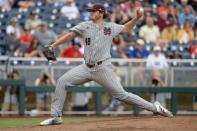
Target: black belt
[93,65]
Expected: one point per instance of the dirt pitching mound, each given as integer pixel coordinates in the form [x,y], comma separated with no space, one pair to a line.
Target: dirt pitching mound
[141,123]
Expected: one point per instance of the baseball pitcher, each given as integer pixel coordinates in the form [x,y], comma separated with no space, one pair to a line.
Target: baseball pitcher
[98,36]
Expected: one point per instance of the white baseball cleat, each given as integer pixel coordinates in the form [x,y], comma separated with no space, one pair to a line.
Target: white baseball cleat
[52,121]
[162,111]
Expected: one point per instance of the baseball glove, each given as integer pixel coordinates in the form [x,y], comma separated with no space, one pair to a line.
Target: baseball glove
[49,53]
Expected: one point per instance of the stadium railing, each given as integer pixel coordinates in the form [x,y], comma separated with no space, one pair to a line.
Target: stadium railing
[179,73]
[98,91]
[181,76]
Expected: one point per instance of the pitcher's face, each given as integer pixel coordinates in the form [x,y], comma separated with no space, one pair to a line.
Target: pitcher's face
[95,15]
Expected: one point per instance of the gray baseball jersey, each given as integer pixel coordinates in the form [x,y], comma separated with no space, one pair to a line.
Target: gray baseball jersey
[98,40]
[97,48]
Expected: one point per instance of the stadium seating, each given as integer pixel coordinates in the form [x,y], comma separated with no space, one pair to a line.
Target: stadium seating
[50,12]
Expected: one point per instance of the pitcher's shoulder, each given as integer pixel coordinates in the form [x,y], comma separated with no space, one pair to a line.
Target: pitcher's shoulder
[86,22]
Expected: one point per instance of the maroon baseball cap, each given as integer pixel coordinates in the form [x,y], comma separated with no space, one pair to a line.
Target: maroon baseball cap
[98,7]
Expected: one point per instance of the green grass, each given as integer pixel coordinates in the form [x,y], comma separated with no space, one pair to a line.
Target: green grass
[26,122]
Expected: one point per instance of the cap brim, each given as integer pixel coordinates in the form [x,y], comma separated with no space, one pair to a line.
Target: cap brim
[90,10]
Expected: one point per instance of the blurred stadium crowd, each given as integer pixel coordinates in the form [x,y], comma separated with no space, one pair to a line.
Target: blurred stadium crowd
[28,25]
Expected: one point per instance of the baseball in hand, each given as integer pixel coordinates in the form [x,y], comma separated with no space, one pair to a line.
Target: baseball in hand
[140,12]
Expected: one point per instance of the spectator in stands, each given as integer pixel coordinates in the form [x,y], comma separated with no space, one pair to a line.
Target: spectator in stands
[164,7]
[118,16]
[26,4]
[174,53]
[13,47]
[181,6]
[162,20]
[26,37]
[32,51]
[193,4]
[70,10]
[74,50]
[187,14]
[6,4]
[195,30]
[10,102]
[14,28]
[139,50]
[156,59]
[32,22]
[158,62]
[173,13]
[169,33]
[119,46]
[185,34]
[158,83]
[193,50]
[167,7]
[149,32]
[44,36]
[43,99]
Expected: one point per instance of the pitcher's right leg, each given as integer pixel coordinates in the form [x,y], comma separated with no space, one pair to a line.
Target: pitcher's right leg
[77,76]
[73,77]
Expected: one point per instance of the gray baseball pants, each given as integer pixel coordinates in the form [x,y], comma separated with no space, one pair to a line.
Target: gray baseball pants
[102,74]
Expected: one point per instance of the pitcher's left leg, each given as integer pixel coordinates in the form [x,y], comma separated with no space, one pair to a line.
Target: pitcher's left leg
[107,78]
